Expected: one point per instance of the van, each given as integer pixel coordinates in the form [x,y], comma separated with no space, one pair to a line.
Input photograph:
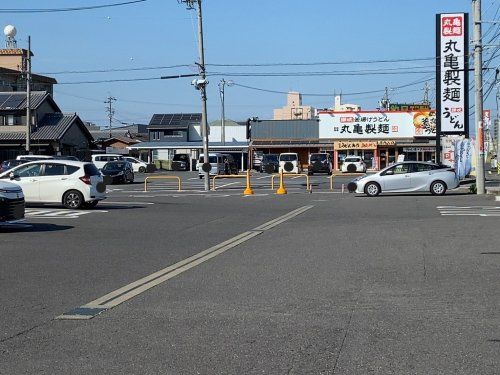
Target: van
[216,161]
[290,157]
[100,160]
[320,163]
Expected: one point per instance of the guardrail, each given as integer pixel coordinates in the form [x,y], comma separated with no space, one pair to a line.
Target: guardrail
[308,185]
[162,178]
[219,176]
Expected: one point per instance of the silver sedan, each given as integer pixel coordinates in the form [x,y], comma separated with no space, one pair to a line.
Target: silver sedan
[407,177]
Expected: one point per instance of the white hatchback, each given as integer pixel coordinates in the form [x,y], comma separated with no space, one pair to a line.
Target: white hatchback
[407,177]
[137,165]
[73,184]
[353,164]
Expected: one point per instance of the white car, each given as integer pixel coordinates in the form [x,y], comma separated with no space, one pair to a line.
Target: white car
[353,164]
[216,163]
[407,177]
[289,157]
[73,184]
[100,160]
[11,203]
[137,165]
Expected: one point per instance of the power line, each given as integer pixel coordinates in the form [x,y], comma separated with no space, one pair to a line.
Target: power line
[118,69]
[53,10]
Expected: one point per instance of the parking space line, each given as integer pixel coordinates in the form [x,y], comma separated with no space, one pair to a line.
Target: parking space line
[125,293]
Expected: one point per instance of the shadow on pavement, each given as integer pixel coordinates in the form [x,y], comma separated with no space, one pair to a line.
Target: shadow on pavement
[36,227]
[387,195]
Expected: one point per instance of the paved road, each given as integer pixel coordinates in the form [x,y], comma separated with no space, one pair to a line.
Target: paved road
[345,285]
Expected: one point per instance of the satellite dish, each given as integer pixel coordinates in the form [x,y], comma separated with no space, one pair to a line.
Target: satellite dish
[10,31]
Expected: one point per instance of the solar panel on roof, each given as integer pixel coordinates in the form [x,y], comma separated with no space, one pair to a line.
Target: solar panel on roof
[13,101]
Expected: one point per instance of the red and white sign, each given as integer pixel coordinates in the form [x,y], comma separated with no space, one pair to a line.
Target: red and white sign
[452,78]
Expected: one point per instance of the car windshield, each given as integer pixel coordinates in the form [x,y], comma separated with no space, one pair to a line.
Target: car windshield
[318,157]
[288,157]
[352,160]
[180,157]
[211,159]
[270,158]
[114,166]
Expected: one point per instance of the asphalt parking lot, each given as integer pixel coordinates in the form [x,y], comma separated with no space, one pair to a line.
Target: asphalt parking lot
[221,283]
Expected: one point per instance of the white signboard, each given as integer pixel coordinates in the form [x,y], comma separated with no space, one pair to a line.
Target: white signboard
[376,125]
[451,76]
[448,149]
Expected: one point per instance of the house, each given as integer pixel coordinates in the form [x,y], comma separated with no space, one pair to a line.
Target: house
[175,133]
[52,132]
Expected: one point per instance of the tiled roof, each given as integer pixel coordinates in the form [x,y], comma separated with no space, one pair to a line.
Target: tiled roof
[53,126]
[17,100]
[174,120]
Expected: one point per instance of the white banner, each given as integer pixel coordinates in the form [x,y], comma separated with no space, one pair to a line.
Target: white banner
[452,82]
[376,125]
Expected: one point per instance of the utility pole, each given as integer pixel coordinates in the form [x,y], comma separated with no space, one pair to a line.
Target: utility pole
[478,82]
[110,111]
[497,121]
[384,103]
[201,83]
[28,97]
[222,83]
[426,100]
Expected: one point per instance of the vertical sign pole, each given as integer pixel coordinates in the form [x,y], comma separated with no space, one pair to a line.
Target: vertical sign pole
[438,89]
[478,82]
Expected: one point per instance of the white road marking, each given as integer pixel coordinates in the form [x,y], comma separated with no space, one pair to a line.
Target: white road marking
[57,214]
[483,211]
[228,184]
[132,203]
[135,288]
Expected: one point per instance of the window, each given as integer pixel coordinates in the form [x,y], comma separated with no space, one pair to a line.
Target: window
[70,169]
[91,170]
[155,136]
[54,170]
[31,170]
[399,169]
[172,133]
[418,167]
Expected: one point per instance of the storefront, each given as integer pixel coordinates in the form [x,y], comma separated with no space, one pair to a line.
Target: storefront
[380,138]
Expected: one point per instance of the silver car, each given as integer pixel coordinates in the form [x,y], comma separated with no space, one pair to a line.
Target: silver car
[407,177]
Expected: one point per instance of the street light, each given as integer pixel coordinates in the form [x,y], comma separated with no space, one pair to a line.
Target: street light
[222,85]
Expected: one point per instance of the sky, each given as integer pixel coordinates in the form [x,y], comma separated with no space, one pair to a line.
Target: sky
[139,38]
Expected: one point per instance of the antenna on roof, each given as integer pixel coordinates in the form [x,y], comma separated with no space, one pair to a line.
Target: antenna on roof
[10,33]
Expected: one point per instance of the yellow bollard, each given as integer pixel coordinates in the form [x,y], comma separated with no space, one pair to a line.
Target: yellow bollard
[248,190]
[281,190]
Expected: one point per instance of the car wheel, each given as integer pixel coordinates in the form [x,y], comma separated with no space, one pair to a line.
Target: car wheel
[73,199]
[142,169]
[351,168]
[372,189]
[438,188]
[90,204]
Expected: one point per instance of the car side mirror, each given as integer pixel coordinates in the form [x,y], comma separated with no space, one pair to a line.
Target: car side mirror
[13,176]
[389,173]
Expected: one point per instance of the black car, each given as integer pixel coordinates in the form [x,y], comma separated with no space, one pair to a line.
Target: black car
[320,163]
[181,162]
[270,163]
[230,166]
[118,172]
[9,164]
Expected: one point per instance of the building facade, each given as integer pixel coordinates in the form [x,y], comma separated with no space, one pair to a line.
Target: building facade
[294,110]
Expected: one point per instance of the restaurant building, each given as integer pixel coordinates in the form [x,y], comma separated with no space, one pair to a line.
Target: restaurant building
[379,137]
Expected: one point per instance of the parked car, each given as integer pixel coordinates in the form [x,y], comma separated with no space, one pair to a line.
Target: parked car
[257,160]
[181,162]
[291,157]
[407,177]
[230,165]
[353,164]
[119,171]
[74,184]
[100,160]
[33,157]
[137,165]
[11,203]
[9,164]
[270,163]
[217,163]
[320,163]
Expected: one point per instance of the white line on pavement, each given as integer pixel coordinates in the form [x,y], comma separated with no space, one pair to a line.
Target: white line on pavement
[135,288]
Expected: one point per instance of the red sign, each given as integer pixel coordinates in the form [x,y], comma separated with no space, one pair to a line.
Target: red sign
[452,26]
